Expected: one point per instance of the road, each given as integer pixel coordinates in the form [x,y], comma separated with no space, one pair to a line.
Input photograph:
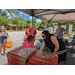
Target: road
[16,36]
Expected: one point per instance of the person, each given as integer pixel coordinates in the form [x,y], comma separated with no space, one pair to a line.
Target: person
[25,37]
[34,31]
[59,32]
[55,45]
[3,39]
[29,42]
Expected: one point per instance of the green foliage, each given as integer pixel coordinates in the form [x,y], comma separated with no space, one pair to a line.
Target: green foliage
[13,12]
[4,14]
[3,21]
[21,22]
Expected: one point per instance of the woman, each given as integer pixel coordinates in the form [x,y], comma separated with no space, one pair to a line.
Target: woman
[55,45]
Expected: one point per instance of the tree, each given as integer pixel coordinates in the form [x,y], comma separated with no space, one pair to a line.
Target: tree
[13,13]
[0,12]
[4,14]
[3,21]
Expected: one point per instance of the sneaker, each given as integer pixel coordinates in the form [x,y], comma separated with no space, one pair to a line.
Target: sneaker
[0,55]
[5,54]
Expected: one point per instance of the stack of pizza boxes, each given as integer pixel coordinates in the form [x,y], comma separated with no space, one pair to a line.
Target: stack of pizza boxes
[19,56]
[43,58]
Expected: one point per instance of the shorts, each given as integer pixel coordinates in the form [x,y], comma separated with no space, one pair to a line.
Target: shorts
[3,40]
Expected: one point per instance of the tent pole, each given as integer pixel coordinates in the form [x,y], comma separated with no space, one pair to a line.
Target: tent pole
[32,25]
[23,21]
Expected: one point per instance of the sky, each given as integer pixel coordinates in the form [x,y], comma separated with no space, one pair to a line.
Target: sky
[26,16]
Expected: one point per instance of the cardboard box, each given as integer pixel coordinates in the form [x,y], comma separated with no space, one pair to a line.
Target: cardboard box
[20,55]
[44,58]
[29,63]
[16,62]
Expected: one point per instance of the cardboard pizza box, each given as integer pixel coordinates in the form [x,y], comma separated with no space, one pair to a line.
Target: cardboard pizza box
[16,63]
[15,58]
[29,63]
[44,58]
[21,54]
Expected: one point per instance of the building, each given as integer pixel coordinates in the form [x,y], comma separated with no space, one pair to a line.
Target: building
[11,27]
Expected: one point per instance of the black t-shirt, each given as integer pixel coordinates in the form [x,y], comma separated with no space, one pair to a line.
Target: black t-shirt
[51,46]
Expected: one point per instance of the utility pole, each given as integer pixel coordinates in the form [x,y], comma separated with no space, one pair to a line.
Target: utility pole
[32,11]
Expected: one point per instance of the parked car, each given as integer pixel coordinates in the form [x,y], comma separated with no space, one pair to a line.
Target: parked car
[40,29]
[46,29]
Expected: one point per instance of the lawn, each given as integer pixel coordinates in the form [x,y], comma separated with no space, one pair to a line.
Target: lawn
[24,30]
[66,33]
[71,34]
[14,30]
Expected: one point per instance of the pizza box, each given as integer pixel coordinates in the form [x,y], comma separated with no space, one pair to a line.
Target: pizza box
[44,58]
[21,54]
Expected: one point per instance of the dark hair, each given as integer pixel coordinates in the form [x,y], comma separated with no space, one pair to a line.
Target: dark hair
[30,37]
[59,23]
[47,34]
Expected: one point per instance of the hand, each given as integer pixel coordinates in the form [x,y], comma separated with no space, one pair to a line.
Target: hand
[0,34]
[62,34]
[5,35]
[55,51]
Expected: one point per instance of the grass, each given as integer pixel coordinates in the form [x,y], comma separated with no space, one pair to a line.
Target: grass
[71,34]
[14,30]
[66,33]
[24,30]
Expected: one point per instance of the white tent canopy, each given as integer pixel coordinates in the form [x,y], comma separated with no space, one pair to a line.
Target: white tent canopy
[52,15]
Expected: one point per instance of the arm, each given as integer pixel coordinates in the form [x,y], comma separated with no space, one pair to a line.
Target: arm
[35,34]
[27,30]
[55,42]
[6,35]
[65,32]
[25,38]
[43,46]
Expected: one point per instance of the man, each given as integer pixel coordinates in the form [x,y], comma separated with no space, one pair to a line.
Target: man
[34,31]
[59,32]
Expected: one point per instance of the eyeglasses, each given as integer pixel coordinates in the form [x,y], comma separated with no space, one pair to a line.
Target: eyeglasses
[43,36]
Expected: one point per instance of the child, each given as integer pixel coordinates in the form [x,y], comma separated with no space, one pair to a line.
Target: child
[3,39]
[29,42]
[26,36]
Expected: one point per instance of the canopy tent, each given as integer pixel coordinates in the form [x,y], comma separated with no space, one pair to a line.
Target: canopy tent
[52,15]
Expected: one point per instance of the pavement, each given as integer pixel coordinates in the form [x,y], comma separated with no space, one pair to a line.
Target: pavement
[17,38]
